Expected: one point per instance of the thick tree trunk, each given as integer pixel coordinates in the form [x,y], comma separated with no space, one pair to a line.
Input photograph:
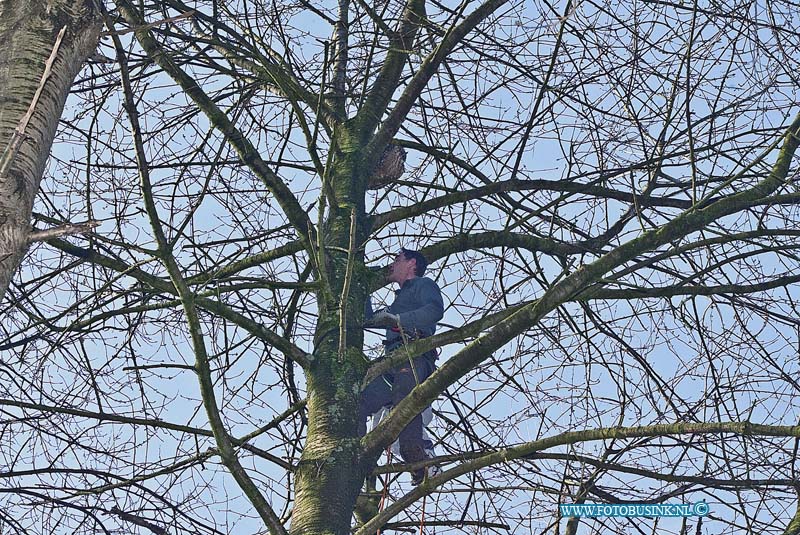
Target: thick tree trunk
[332,469]
[329,477]
[28,34]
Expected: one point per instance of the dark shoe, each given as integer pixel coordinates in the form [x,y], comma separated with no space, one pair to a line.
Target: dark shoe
[417,477]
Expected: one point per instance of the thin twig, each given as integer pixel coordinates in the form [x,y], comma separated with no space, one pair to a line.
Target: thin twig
[138,520]
[149,25]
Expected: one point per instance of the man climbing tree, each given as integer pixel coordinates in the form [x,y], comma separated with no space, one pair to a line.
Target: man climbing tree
[413,315]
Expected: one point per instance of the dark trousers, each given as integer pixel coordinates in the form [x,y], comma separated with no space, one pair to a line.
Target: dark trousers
[390,389]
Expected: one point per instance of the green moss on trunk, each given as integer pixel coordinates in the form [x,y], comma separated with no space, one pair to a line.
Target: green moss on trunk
[331,472]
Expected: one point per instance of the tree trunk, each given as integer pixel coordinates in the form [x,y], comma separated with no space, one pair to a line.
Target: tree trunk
[332,468]
[329,477]
[28,35]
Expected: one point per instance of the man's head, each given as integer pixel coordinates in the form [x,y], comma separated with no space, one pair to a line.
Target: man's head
[407,265]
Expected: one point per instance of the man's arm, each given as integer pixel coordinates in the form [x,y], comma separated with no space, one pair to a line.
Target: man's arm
[424,318]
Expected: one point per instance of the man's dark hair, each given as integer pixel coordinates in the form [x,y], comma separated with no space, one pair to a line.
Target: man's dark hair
[422,262]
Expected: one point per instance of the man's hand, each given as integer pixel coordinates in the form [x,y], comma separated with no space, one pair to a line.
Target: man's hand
[383,318]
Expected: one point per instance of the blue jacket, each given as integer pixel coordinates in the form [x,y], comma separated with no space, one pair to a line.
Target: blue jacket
[420,307]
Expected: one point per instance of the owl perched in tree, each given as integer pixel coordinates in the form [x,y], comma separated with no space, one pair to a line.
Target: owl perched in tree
[390,168]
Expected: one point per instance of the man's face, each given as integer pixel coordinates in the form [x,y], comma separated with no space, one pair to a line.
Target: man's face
[401,269]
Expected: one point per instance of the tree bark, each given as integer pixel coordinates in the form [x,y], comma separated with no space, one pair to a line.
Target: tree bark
[28,35]
[333,467]
[330,473]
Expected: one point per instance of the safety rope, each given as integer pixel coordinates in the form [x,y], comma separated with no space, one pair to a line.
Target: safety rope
[422,518]
[385,490]
[405,341]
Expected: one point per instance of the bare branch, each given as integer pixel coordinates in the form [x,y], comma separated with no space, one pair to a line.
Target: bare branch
[70,229]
